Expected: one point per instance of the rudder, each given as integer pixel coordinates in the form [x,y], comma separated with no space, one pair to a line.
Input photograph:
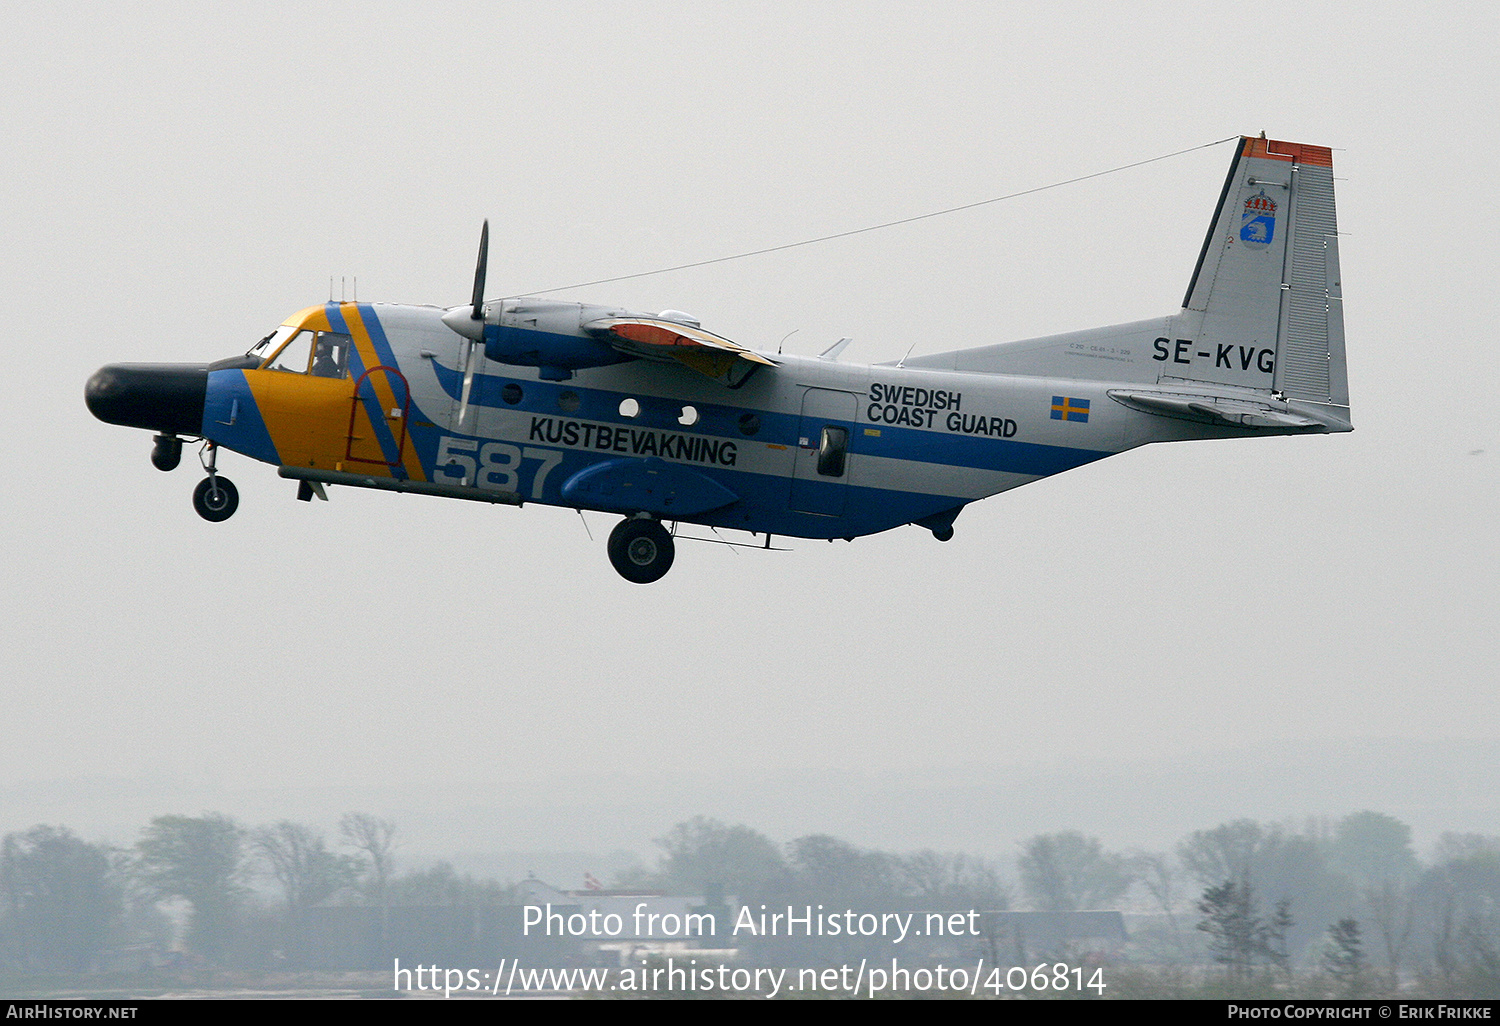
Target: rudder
[1264,309]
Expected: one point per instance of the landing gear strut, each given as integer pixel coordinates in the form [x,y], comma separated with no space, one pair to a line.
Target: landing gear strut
[216,498]
[641,550]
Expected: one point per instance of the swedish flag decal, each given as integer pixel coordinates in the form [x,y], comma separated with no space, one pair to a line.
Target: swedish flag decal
[1067,408]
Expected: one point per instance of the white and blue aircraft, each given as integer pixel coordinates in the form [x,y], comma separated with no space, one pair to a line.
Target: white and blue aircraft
[654,418]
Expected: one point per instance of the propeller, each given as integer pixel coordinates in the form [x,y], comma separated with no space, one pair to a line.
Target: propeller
[480,270]
[468,320]
[471,327]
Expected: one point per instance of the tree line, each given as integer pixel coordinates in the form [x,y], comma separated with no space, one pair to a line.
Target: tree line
[1250,904]
[186,890]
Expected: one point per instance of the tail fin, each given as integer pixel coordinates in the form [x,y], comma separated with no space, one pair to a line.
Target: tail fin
[1264,309]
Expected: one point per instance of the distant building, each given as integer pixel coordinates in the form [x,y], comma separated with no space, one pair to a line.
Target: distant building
[1024,936]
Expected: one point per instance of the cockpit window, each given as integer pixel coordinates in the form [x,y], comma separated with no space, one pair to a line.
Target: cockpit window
[330,355]
[323,354]
[271,342]
[295,355]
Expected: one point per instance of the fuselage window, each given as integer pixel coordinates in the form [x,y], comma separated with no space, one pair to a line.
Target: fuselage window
[511,393]
[831,450]
[630,408]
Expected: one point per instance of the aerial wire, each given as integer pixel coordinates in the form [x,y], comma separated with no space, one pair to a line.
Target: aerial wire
[877,227]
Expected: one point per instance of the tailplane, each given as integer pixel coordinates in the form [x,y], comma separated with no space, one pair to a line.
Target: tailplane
[1262,322]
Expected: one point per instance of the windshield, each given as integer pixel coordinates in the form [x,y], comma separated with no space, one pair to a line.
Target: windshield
[268,345]
[322,354]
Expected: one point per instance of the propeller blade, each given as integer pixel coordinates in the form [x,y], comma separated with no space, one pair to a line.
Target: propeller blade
[479,271]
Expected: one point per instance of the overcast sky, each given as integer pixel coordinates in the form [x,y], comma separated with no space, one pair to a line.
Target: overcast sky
[180,178]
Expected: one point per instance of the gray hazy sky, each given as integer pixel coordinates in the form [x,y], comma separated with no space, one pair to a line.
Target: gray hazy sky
[180,178]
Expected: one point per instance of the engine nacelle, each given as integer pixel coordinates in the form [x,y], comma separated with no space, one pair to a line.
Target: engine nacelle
[539,333]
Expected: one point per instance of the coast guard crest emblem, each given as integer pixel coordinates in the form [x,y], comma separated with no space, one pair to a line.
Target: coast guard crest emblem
[1258,222]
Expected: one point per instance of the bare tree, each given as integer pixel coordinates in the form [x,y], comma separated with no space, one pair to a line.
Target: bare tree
[1068,871]
[375,839]
[953,881]
[1157,874]
[1223,853]
[300,860]
[1393,910]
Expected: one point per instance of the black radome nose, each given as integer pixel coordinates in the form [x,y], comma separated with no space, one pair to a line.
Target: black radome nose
[164,397]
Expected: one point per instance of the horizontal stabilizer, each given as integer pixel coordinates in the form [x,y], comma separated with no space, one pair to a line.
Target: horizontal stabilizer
[1221,410]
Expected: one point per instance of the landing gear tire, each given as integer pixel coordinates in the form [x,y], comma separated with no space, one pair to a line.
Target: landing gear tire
[641,550]
[216,498]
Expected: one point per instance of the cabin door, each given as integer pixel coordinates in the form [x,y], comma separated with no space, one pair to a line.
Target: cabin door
[377,418]
[820,475]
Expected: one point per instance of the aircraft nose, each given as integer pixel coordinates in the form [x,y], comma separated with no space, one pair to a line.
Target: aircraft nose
[163,397]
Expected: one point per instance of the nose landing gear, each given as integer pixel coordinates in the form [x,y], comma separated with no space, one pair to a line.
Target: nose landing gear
[216,498]
[641,550]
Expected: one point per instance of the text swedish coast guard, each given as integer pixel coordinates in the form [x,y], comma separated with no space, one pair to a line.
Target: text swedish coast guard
[907,404]
[919,407]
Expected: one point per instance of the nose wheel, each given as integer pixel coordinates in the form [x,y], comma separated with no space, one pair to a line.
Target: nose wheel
[641,550]
[216,498]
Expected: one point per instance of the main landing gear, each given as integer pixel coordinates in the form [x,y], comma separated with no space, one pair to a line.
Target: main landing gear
[641,550]
[216,498]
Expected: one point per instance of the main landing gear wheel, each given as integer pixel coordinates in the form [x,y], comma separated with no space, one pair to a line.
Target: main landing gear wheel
[216,498]
[641,550]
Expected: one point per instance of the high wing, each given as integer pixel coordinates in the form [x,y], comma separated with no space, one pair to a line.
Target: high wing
[664,341]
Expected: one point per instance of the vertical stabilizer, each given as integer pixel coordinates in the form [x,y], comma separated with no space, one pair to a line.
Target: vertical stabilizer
[1264,309]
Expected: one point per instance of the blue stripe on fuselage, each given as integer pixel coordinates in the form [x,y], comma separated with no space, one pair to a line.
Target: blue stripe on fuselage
[763,498]
[231,418]
[377,335]
[939,447]
[955,450]
[385,435]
